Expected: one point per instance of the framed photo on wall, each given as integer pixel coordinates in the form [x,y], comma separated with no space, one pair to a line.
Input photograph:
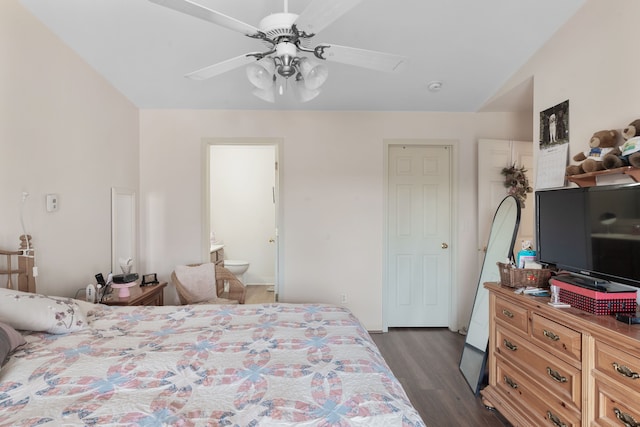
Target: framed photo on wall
[554,148]
[554,125]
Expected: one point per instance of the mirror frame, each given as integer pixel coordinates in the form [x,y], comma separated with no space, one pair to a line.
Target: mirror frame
[499,248]
[123,228]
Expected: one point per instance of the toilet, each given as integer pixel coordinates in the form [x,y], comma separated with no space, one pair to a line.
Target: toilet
[237,267]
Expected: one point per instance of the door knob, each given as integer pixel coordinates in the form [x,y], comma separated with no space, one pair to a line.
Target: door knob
[444,245]
[272,240]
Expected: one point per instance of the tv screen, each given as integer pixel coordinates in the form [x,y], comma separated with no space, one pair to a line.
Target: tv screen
[592,231]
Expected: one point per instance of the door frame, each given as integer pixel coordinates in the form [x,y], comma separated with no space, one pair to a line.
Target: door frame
[277,144]
[453,146]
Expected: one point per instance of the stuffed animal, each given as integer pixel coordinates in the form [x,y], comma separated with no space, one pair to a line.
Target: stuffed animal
[629,150]
[602,143]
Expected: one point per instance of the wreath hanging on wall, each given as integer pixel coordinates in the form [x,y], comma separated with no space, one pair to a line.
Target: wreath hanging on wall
[517,182]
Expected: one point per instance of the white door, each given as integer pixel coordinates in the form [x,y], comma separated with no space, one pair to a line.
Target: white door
[419,236]
[493,156]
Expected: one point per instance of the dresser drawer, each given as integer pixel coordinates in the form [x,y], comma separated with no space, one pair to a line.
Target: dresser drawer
[551,373]
[615,407]
[155,300]
[557,338]
[147,295]
[542,408]
[512,315]
[621,367]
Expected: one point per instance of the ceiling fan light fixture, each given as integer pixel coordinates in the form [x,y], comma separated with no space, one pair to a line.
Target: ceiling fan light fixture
[286,59]
[303,93]
[267,95]
[261,72]
[313,73]
[286,69]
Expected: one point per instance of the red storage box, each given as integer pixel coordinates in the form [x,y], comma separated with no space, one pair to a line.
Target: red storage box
[600,303]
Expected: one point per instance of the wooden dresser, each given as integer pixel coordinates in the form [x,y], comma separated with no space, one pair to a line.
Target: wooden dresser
[560,366]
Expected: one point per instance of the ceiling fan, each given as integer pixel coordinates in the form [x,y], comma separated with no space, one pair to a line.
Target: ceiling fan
[290,52]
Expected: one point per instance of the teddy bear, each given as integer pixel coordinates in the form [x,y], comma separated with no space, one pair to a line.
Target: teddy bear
[602,143]
[629,150]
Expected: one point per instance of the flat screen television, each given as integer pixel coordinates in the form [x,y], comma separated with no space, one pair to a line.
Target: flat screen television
[593,232]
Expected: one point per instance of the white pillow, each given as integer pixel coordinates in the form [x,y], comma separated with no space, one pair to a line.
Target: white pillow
[35,312]
[85,306]
[199,282]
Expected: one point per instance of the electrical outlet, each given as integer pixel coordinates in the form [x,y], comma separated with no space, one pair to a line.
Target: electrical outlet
[343,298]
[52,202]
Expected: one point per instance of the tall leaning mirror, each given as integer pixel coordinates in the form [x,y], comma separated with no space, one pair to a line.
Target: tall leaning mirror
[123,228]
[499,248]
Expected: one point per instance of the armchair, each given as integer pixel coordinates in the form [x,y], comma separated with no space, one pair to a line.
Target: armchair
[205,284]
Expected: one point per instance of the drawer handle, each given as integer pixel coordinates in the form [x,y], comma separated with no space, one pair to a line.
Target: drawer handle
[511,346]
[510,382]
[550,335]
[626,419]
[623,370]
[555,420]
[507,313]
[556,375]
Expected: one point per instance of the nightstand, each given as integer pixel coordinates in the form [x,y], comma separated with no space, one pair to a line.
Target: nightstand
[147,295]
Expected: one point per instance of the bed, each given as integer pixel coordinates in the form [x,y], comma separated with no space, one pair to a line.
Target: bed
[194,365]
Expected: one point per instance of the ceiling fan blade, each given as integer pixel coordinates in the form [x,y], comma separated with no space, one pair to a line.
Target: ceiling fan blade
[371,59]
[193,9]
[321,13]
[221,67]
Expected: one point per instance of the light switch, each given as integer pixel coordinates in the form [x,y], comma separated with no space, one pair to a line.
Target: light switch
[52,202]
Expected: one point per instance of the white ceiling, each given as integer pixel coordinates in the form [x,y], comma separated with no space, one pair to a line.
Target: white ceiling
[472,46]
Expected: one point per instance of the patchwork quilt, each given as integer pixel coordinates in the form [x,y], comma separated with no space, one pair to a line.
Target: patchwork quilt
[205,365]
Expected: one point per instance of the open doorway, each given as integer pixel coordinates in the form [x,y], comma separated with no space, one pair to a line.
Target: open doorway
[241,204]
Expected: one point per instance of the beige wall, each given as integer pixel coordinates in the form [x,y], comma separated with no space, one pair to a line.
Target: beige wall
[64,130]
[332,193]
[592,62]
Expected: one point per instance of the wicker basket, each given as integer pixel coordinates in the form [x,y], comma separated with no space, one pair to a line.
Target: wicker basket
[519,277]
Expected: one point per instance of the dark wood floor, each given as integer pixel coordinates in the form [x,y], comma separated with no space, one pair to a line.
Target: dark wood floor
[425,361]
